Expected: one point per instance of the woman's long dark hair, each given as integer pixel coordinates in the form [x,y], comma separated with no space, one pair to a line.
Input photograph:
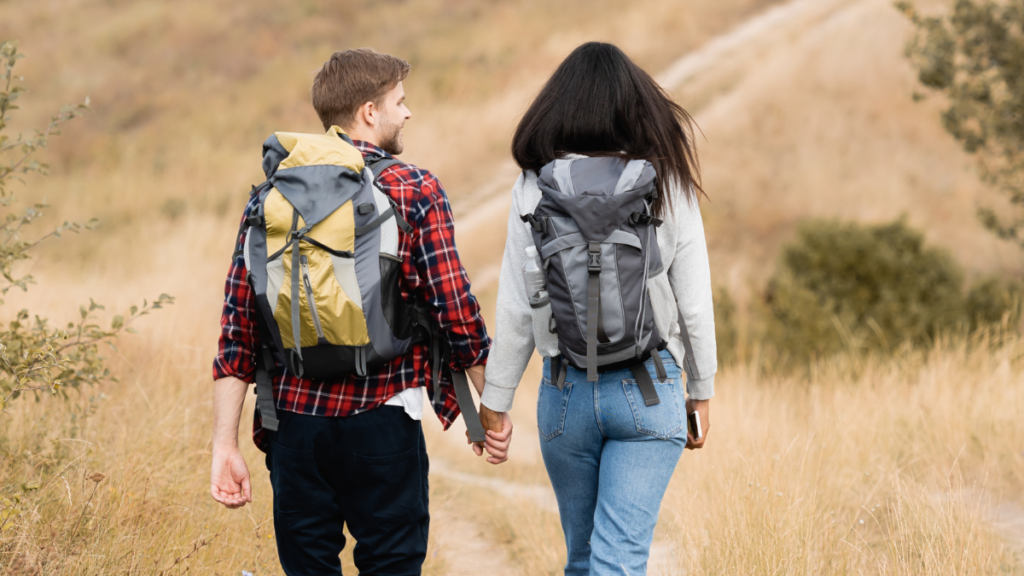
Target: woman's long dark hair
[600,103]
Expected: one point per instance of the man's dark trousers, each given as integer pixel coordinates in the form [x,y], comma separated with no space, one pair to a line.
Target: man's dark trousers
[368,470]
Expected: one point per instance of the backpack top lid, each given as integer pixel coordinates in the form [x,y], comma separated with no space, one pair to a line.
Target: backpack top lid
[306,168]
[599,193]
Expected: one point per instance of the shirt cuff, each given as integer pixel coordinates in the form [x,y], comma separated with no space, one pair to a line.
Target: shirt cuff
[702,389]
[225,369]
[497,398]
[459,364]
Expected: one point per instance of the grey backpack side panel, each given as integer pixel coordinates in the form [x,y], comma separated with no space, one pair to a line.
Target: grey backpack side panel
[255,253]
[368,273]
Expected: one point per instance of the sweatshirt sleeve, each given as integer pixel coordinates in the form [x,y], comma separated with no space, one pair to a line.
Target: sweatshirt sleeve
[513,343]
[690,277]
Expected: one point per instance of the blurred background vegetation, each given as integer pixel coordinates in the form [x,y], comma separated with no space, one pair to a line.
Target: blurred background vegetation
[868,319]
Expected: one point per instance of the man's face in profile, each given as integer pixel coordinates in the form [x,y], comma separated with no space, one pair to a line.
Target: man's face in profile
[394,113]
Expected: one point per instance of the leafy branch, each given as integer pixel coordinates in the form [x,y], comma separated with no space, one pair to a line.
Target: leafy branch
[974,56]
[35,357]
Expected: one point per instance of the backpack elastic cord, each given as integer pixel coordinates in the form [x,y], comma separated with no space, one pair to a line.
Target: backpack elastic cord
[643,380]
[296,236]
[593,307]
[265,391]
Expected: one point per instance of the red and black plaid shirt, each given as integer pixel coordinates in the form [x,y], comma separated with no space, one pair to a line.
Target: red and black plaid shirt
[431,272]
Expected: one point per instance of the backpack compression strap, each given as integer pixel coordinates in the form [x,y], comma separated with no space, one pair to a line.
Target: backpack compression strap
[643,379]
[469,413]
[264,391]
[593,307]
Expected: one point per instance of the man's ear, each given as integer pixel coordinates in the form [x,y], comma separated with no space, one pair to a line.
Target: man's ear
[368,114]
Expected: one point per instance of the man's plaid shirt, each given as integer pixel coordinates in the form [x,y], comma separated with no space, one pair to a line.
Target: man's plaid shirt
[431,271]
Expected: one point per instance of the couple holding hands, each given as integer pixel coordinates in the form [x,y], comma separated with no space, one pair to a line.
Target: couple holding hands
[346,301]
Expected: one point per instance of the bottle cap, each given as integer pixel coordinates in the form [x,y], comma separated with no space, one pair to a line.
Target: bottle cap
[531,251]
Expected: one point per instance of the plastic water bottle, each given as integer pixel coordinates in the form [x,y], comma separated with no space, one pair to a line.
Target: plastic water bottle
[533,275]
[544,328]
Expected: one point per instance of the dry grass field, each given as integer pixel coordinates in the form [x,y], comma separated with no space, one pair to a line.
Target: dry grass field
[904,465]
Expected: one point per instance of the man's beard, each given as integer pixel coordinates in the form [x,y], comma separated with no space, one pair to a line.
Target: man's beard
[390,140]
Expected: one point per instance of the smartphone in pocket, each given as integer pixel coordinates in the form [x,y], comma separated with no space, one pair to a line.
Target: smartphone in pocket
[693,423]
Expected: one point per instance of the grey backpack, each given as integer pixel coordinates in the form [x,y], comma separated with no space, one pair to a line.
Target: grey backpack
[596,237]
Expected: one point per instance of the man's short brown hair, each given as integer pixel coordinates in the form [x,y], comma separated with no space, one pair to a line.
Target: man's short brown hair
[352,78]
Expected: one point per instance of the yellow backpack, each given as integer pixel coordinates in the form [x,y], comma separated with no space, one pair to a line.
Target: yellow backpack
[322,256]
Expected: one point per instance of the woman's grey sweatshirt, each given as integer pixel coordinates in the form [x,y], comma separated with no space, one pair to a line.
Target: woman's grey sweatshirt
[684,292]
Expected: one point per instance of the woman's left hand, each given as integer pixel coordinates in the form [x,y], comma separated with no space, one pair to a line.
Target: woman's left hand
[499,435]
[703,408]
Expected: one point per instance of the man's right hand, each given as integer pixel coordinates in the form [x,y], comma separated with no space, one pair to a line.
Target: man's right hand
[229,478]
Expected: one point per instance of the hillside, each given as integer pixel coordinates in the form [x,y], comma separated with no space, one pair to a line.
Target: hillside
[805,109]
[823,125]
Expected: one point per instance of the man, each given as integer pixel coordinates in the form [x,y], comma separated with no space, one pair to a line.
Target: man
[352,451]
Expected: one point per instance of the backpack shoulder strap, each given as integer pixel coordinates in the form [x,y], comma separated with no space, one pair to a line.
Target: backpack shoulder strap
[379,165]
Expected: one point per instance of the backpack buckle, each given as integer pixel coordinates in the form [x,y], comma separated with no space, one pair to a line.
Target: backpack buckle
[539,225]
[594,258]
[255,217]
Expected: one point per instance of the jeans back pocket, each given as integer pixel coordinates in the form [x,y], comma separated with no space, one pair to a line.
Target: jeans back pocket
[552,405]
[663,420]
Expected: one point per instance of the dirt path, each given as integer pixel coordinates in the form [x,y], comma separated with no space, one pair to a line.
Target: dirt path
[1005,516]
[466,549]
[1008,519]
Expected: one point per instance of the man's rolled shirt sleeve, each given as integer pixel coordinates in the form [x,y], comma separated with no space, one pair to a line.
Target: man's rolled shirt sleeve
[238,333]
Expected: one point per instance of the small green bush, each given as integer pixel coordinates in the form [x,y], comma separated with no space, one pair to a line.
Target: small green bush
[726,332]
[994,301]
[853,286]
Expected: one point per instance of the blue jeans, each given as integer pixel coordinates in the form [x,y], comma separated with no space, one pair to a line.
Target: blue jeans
[610,458]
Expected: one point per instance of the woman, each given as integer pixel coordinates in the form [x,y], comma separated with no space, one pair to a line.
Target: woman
[609,455]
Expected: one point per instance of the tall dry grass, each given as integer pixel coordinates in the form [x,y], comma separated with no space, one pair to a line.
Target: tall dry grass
[883,466]
[877,466]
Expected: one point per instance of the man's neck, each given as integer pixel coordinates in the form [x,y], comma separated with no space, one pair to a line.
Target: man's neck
[362,133]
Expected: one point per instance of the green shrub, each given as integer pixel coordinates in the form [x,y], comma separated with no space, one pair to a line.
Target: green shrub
[726,333]
[994,301]
[35,355]
[854,286]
